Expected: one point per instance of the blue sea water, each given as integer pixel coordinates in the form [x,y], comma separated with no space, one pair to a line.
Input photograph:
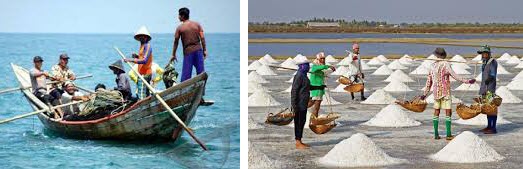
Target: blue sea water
[25,144]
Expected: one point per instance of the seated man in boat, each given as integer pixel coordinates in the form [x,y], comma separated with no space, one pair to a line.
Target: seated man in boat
[72,94]
[61,73]
[39,85]
[122,82]
[99,87]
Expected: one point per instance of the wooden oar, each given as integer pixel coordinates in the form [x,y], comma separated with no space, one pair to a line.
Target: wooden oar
[20,88]
[449,61]
[162,101]
[38,111]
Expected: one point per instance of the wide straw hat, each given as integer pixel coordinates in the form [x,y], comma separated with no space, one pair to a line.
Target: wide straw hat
[142,31]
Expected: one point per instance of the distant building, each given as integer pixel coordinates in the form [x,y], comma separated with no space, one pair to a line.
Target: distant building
[322,24]
[397,26]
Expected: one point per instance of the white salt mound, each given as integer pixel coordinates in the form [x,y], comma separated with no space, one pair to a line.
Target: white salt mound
[288,90]
[518,76]
[259,160]
[289,63]
[382,58]
[520,65]
[265,70]
[468,87]
[514,60]
[420,70]
[379,97]
[254,65]
[481,120]
[504,57]
[299,57]
[392,116]
[382,70]
[375,61]
[467,147]
[464,65]
[330,59]
[477,58]
[458,58]
[268,58]
[396,65]
[254,125]
[459,69]
[432,56]
[430,99]
[264,61]
[261,98]
[253,76]
[502,70]
[507,96]
[345,61]
[339,88]
[364,66]
[255,86]
[358,151]
[341,70]
[328,100]
[480,77]
[397,86]
[515,84]
[400,76]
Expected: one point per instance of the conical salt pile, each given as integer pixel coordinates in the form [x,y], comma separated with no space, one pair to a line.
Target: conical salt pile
[479,77]
[459,69]
[289,63]
[400,76]
[396,65]
[502,71]
[358,151]
[515,84]
[255,86]
[330,59]
[382,58]
[364,66]
[477,58]
[383,70]
[432,56]
[481,120]
[405,60]
[375,61]
[288,90]
[519,76]
[504,57]
[467,147]
[265,71]
[270,59]
[458,58]
[428,63]
[299,57]
[463,65]
[261,98]
[520,65]
[420,70]
[328,100]
[253,76]
[259,160]
[506,95]
[430,99]
[379,97]
[264,61]
[468,87]
[514,60]
[254,125]
[339,89]
[397,86]
[345,61]
[341,70]
[392,116]
[254,65]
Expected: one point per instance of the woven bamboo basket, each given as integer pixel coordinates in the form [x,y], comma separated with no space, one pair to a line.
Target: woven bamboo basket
[322,129]
[466,112]
[497,100]
[416,105]
[489,109]
[281,119]
[344,80]
[324,119]
[355,87]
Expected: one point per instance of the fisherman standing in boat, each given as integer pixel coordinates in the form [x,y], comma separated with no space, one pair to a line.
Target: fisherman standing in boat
[300,94]
[144,60]
[317,80]
[489,71]
[438,79]
[39,85]
[72,94]
[122,82]
[356,61]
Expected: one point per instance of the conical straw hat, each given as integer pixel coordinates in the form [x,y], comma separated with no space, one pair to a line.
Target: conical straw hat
[142,31]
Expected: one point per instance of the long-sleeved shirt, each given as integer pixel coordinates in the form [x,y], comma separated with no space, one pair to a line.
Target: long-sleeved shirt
[356,61]
[300,92]
[317,79]
[123,85]
[489,71]
[438,79]
[145,59]
[38,80]
[58,72]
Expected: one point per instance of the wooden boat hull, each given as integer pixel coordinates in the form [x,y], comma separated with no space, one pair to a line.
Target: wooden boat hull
[145,120]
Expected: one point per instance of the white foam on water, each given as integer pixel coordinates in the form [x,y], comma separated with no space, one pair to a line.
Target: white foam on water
[392,116]
[255,86]
[504,57]
[259,160]
[399,76]
[468,87]
[289,63]
[254,65]
[382,70]
[481,120]
[502,70]
[514,60]
[397,86]
[382,58]
[379,97]
[507,96]
[396,65]
[330,59]
[358,151]
[467,147]
[253,124]
[261,98]
[253,76]
[265,70]
[430,99]
[375,61]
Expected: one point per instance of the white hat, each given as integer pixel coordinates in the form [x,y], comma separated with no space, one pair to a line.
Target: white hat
[302,60]
[142,31]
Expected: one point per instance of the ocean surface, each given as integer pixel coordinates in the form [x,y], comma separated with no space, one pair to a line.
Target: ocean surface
[337,49]
[26,144]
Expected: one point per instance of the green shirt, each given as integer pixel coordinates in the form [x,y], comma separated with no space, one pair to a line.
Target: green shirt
[317,79]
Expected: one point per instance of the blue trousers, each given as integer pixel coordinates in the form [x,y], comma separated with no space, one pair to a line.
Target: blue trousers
[192,59]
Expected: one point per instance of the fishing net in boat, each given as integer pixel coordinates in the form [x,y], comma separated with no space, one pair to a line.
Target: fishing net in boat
[102,104]
[169,76]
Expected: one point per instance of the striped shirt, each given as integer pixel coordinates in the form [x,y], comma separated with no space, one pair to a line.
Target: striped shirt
[438,79]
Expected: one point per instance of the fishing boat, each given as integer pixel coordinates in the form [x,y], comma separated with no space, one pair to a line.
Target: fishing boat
[146,119]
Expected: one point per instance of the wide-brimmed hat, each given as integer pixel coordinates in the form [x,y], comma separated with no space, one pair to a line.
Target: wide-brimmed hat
[483,49]
[142,31]
[118,65]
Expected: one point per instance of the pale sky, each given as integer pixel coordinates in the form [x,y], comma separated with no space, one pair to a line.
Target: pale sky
[115,16]
[392,11]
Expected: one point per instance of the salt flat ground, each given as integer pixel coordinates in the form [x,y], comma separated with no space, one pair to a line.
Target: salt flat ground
[412,143]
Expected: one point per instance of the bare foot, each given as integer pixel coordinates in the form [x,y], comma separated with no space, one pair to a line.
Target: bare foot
[300,145]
